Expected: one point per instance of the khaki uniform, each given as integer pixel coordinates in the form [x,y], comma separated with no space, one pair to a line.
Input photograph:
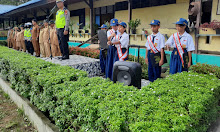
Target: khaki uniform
[55,49]
[46,36]
[41,41]
[23,46]
[18,41]
[35,33]
[10,39]
[14,40]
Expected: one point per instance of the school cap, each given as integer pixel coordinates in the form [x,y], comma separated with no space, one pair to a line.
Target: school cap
[51,22]
[182,21]
[46,21]
[104,26]
[41,23]
[155,22]
[29,24]
[57,1]
[114,22]
[123,24]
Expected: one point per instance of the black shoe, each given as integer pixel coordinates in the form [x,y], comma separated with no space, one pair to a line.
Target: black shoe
[60,58]
[65,57]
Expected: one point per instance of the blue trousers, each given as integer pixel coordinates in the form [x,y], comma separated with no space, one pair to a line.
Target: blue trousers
[176,63]
[154,72]
[109,61]
[102,58]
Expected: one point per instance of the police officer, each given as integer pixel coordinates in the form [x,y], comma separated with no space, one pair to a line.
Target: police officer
[62,25]
[28,38]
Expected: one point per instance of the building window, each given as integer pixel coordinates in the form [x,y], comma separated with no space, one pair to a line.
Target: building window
[142,4]
[81,14]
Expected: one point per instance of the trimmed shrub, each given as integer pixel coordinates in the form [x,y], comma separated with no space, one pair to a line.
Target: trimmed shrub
[3,43]
[206,69]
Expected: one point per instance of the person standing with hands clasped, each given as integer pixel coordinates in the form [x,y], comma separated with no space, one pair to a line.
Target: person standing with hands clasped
[121,42]
[182,42]
[155,51]
[111,34]
[62,25]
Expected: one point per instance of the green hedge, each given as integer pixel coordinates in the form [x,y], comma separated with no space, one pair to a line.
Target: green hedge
[181,102]
[3,43]
[206,69]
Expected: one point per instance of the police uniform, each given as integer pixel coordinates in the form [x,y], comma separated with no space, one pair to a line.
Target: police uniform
[102,55]
[182,44]
[111,50]
[62,24]
[28,38]
[154,45]
[55,49]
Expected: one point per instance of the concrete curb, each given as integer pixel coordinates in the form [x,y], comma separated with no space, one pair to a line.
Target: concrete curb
[37,118]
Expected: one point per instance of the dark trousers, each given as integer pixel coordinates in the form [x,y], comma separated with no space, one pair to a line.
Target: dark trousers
[63,42]
[154,72]
[29,47]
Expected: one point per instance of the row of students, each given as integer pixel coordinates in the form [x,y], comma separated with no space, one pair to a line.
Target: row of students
[41,39]
[181,57]
[181,41]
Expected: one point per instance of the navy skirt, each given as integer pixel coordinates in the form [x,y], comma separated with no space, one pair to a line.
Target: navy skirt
[176,63]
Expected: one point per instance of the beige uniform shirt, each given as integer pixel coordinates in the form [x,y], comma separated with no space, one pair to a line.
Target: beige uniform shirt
[46,34]
[41,36]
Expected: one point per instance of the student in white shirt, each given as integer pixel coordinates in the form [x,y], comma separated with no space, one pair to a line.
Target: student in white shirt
[182,42]
[155,51]
[111,34]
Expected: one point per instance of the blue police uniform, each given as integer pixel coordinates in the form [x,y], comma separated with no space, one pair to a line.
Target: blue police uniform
[111,51]
[102,56]
[182,44]
[154,45]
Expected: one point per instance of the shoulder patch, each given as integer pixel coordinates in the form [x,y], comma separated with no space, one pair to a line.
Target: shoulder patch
[66,12]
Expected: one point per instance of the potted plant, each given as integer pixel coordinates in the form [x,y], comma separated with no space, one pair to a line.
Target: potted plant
[79,30]
[71,27]
[86,27]
[214,25]
[133,24]
[143,31]
[107,24]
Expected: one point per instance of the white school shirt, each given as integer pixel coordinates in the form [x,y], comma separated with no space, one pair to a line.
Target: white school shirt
[124,40]
[112,31]
[159,41]
[186,41]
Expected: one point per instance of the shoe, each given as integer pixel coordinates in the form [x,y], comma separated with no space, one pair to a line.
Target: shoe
[65,57]
[60,58]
